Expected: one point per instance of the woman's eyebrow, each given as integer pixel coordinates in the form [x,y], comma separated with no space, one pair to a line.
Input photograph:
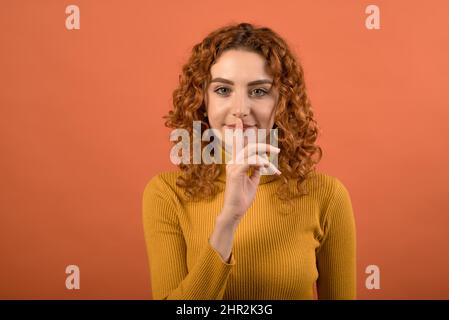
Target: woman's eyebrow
[262,81]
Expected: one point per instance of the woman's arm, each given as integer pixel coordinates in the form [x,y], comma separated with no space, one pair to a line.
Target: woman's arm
[166,250]
[222,237]
[165,241]
[336,256]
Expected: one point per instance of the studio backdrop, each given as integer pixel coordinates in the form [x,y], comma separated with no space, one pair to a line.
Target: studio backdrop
[83,88]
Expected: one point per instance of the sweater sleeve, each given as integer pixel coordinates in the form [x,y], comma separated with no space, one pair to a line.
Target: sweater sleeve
[336,255]
[166,251]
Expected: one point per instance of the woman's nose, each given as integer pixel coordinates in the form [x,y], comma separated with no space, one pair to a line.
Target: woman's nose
[241,107]
[239,114]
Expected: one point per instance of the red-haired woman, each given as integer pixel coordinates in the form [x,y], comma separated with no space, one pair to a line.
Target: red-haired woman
[224,230]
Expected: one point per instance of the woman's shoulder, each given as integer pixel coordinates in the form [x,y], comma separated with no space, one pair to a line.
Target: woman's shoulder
[324,177]
[165,176]
[325,185]
[161,196]
[163,183]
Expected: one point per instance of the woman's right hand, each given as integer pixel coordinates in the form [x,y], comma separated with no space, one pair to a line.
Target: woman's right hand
[240,191]
[240,188]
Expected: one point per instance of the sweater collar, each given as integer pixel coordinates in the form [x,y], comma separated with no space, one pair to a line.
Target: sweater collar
[263,178]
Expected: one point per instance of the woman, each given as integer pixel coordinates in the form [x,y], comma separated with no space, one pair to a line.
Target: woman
[223,230]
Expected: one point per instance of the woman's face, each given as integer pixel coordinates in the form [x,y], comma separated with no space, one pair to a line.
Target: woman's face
[240,88]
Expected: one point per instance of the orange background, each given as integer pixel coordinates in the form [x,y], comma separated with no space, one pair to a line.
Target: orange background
[82,133]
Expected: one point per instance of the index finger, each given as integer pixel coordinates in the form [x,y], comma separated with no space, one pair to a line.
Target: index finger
[253,148]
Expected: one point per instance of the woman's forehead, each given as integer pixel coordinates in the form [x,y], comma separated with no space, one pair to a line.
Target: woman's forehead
[240,67]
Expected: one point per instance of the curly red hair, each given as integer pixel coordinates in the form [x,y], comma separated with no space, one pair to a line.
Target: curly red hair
[297,129]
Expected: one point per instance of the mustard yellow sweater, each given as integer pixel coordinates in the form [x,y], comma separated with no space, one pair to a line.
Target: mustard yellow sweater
[280,250]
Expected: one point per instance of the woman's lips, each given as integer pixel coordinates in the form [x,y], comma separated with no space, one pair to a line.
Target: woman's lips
[245,127]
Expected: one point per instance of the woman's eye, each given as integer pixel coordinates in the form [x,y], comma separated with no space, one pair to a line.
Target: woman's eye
[262,92]
[258,92]
[221,88]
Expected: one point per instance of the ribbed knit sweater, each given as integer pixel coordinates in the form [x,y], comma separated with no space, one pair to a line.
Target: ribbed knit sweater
[280,250]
